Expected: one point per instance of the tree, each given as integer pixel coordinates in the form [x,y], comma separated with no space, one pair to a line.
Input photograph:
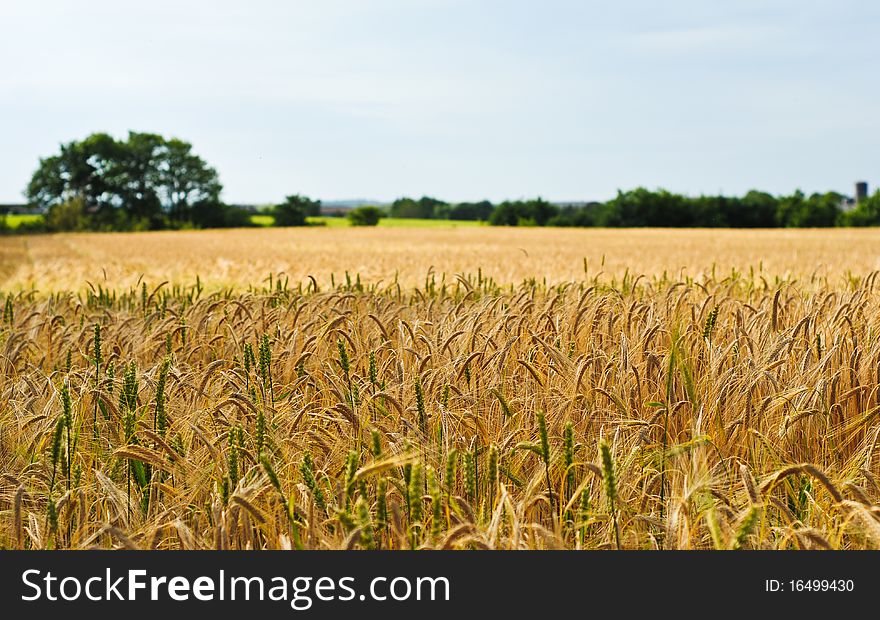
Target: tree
[819,210]
[505,214]
[535,212]
[185,179]
[471,211]
[642,207]
[423,208]
[68,216]
[145,180]
[294,210]
[365,216]
[219,215]
[754,210]
[866,213]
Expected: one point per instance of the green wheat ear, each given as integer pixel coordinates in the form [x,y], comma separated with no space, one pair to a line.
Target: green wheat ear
[111,376]
[492,471]
[260,432]
[710,323]
[749,522]
[415,492]
[545,440]
[96,353]
[56,449]
[232,459]
[374,373]
[416,484]
[307,469]
[52,516]
[364,521]
[609,477]
[266,365]
[276,484]
[67,415]
[161,419]
[96,346]
[344,362]
[505,408]
[545,451]
[584,507]
[224,490]
[449,474]
[470,476]
[420,407]
[714,529]
[568,453]
[436,504]
[376,443]
[381,502]
[351,463]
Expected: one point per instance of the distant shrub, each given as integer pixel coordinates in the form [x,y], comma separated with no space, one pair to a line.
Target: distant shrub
[523,213]
[867,213]
[68,216]
[471,211]
[218,215]
[365,216]
[294,210]
[424,208]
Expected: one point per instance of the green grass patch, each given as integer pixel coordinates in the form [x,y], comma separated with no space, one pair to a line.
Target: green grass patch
[395,222]
[332,222]
[262,220]
[15,220]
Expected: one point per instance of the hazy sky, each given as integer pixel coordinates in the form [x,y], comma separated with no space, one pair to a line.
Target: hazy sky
[461,99]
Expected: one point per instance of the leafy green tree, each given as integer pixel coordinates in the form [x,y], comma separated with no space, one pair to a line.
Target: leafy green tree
[423,208]
[68,216]
[365,216]
[642,207]
[817,211]
[294,210]
[144,180]
[185,179]
[866,213]
[471,211]
[754,210]
[580,216]
[508,213]
[218,215]
[536,212]
[88,169]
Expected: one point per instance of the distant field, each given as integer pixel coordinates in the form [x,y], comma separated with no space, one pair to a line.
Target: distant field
[16,220]
[262,220]
[385,222]
[242,257]
[393,222]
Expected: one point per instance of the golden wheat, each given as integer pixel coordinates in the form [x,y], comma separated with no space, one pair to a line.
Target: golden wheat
[734,411]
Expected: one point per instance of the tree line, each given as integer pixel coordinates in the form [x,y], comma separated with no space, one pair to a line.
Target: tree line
[149,182]
[648,208]
[145,182]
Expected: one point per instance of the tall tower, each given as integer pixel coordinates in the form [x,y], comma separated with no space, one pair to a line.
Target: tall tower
[861,191]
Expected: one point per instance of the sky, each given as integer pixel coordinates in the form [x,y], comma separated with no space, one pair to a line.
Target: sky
[458,99]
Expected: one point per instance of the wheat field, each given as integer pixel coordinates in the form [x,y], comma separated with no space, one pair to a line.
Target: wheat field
[466,389]
[244,258]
